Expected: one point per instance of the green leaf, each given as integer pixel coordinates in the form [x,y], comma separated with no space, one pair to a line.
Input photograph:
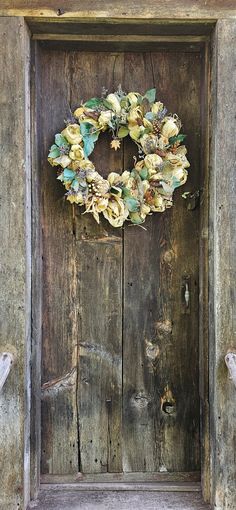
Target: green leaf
[69,174]
[178,138]
[55,153]
[150,95]
[60,140]
[143,173]
[123,131]
[125,192]
[88,145]
[132,204]
[85,128]
[94,102]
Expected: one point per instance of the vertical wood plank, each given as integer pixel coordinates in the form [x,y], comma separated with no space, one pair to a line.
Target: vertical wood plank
[99,264]
[15,253]
[222,265]
[36,340]
[159,338]
[204,279]
[60,304]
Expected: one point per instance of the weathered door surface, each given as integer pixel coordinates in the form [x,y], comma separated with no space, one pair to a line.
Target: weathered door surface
[120,346]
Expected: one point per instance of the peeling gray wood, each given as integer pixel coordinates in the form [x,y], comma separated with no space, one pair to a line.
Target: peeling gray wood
[223,266]
[6,360]
[15,256]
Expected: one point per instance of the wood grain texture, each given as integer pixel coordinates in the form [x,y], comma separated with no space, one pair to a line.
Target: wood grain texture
[204,279]
[36,290]
[160,340]
[99,262]
[222,266]
[121,9]
[15,253]
[60,304]
[159,337]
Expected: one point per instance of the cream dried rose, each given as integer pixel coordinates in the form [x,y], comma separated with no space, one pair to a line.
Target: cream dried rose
[116,212]
[76,152]
[169,128]
[63,161]
[152,161]
[72,134]
[104,119]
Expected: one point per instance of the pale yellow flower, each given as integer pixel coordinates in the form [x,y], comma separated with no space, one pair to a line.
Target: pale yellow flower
[72,134]
[79,111]
[134,116]
[104,119]
[115,103]
[133,98]
[76,152]
[86,164]
[96,205]
[64,161]
[169,128]
[144,210]
[152,161]
[76,198]
[116,212]
[157,107]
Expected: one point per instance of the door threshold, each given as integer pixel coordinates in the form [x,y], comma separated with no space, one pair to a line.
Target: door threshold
[161,497]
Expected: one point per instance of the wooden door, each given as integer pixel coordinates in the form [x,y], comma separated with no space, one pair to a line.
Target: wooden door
[120,346]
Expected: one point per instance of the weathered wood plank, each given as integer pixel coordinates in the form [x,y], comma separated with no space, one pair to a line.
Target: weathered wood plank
[52,498]
[122,9]
[15,253]
[99,263]
[122,477]
[159,337]
[60,303]
[35,414]
[204,278]
[223,265]
[140,405]
[141,27]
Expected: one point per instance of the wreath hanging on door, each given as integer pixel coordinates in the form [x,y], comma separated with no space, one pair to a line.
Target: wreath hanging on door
[148,187]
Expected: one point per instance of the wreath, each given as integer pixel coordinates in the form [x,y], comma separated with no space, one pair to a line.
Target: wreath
[132,195]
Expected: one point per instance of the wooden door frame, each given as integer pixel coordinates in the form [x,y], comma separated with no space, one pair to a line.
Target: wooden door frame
[216,32]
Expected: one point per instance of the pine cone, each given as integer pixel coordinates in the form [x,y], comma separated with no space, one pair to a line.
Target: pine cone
[156,127]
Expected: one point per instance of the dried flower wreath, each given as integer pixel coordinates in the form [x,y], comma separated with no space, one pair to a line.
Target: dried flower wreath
[133,194]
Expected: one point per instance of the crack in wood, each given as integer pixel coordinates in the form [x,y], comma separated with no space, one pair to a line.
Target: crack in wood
[64,382]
